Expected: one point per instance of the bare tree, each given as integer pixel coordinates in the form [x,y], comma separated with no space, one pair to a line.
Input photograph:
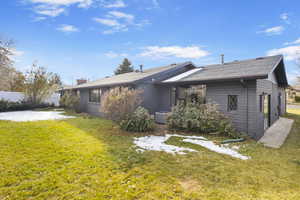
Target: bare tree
[6,52]
[40,84]
[6,70]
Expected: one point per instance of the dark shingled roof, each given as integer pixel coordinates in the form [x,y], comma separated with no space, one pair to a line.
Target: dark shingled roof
[246,69]
[129,78]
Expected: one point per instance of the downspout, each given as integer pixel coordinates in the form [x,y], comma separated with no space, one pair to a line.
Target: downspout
[247,104]
[247,110]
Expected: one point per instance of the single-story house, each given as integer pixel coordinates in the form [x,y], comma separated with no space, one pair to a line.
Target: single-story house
[250,92]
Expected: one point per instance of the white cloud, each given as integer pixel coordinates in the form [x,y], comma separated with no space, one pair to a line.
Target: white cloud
[291,53]
[107,22]
[51,11]
[294,42]
[114,24]
[112,54]
[115,4]
[16,52]
[81,3]
[285,17]
[119,22]
[293,76]
[66,28]
[190,52]
[276,30]
[54,8]
[121,15]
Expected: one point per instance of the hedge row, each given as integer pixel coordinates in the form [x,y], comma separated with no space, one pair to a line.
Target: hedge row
[18,106]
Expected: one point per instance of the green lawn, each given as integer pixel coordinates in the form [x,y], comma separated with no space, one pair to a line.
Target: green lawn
[90,158]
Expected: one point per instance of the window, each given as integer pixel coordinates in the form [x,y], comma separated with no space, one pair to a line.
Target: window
[232,102]
[95,95]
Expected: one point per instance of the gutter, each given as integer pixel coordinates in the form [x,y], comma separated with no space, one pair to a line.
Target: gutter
[205,81]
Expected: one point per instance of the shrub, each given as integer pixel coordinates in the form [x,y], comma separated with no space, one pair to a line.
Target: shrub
[200,118]
[119,103]
[297,99]
[139,121]
[18,106]
[70,101]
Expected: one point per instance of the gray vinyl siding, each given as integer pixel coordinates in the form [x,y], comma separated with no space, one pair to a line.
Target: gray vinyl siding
[150,97]
[84,98]
[283,100]
[164,96]
[272,78]
[156,97]
[86,106]
[270,88]
[253,108]
[241,118]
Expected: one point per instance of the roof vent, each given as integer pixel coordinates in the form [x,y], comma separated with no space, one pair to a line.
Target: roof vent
[222,59]
[141,68]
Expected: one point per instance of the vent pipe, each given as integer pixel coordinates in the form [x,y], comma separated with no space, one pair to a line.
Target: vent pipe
[222,59]
[141,68]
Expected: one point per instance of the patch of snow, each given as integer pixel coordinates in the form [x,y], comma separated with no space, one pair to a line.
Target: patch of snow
[216,148]
[235,147]
[23,116]
[186,136]
[157,143]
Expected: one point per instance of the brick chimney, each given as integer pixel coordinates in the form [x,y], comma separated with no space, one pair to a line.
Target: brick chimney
[81,81]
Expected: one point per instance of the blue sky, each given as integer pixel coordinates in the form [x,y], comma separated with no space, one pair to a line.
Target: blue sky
[89,38]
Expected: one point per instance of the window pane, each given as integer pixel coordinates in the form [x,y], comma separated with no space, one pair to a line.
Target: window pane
[232,102]
[94,95]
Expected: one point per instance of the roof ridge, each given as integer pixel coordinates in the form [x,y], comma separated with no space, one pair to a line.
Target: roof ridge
[241,61]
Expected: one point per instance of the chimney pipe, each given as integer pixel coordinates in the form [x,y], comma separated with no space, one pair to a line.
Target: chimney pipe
[222,59]
[141,68]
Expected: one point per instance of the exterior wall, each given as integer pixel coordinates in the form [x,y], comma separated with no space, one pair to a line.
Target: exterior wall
[156,98]
[272,78]
[283,100]
[270,88]
[150,97]
[86,106]
[164,99]
[242,118]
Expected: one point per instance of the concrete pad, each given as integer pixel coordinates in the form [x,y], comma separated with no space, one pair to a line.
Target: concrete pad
[275,135]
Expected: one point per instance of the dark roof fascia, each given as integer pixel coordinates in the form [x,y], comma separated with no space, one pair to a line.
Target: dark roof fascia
[286,83]
[106,85]
[276,64]
[136,81]
[280,63]
[263,76]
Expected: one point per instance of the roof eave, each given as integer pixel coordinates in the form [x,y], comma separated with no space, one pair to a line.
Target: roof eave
[193,82]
